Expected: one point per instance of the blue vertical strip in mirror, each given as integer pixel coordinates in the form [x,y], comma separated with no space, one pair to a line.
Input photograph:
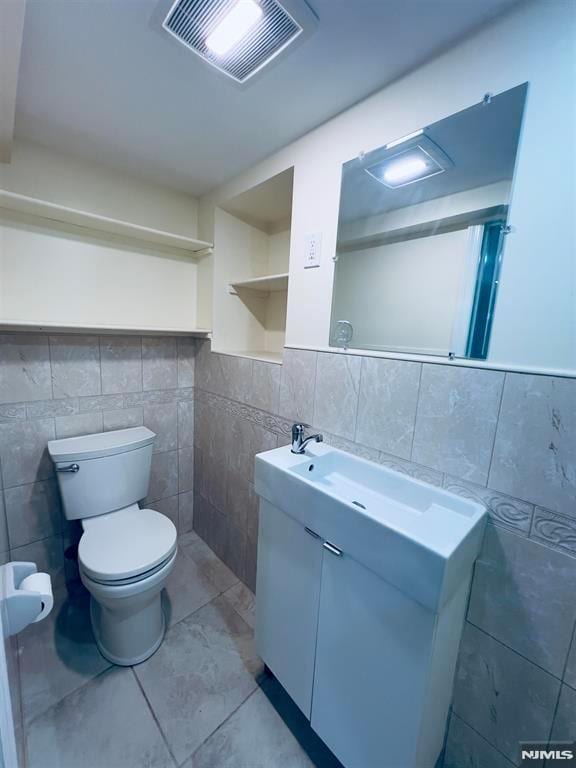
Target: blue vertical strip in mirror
[486,290]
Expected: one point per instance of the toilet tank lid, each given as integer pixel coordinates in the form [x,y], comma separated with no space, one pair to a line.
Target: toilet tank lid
[100,444]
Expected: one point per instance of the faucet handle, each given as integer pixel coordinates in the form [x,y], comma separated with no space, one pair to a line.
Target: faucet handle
[299,443]
[298,430]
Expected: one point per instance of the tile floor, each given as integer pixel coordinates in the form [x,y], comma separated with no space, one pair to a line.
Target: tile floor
[202,701]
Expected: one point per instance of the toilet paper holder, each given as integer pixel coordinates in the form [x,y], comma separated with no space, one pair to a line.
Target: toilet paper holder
[20,607]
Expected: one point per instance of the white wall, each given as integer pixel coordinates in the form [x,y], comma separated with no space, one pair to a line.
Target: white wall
[62,275]
[40,172]
[279,252]
[51,277]
[241,252]
[248,321]
[535,324]
[403,295]
[278,262]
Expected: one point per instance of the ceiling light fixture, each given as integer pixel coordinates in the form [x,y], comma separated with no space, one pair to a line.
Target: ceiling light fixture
[238,37]
[234,26]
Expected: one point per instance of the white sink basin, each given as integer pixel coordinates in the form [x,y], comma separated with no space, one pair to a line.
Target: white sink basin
[420,538]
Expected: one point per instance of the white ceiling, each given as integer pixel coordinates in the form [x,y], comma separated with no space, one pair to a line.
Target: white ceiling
[97,79]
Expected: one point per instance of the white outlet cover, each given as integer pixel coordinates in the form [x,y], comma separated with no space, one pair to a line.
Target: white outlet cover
[312,250]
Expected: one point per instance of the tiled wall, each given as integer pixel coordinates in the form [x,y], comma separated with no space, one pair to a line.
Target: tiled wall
[506,439]
[68,385]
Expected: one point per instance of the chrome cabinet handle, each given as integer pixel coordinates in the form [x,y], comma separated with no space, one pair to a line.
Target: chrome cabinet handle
[311,532]
[69,468]
[332,548]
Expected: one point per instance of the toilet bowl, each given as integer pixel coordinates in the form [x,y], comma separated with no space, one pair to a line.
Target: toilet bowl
[124,559]
[126,553]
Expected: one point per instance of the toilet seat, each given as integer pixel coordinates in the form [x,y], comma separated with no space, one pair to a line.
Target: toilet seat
[126,546]
[131,579]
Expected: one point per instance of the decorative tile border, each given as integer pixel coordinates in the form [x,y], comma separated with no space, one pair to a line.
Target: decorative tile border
[71,406]
[554,530]
[11,411]
[155,396]
[264,419]
[503,510]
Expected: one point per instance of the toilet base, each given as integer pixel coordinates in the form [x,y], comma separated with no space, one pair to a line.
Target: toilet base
[124,661]
[128,619]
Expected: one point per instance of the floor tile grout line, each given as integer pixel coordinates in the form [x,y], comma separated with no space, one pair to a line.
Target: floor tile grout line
[233,606]
[220,593]
[151,710]
[27,723]
[554,713]
[220,725]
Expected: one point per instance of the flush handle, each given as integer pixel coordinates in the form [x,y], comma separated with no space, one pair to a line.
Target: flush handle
[69,468]
[332,548]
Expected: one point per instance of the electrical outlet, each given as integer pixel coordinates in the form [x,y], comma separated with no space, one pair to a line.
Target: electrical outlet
[313,250]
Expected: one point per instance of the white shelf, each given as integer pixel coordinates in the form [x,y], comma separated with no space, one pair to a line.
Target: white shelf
[43,209]
[266,284]
[21,325]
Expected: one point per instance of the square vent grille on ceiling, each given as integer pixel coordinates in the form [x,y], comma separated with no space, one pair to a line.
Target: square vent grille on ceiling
[238,37]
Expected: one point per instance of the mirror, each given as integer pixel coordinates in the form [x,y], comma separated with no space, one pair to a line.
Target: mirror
[422,232]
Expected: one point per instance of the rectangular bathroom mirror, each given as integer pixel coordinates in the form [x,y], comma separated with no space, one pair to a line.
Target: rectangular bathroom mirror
[422,233]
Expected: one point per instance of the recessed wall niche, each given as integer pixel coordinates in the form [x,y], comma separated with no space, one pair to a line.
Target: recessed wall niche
[252,250]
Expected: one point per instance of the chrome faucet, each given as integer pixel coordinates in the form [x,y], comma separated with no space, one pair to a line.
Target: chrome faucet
[299,442]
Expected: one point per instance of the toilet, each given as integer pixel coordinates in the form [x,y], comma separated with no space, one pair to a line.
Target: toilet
[126,553]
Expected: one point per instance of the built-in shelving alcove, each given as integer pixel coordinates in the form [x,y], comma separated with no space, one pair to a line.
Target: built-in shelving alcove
[251,256]
[65,269]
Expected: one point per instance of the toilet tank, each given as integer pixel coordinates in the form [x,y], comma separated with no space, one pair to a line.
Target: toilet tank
[103,472]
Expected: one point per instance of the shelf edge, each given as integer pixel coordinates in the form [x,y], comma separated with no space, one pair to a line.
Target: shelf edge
[48,211]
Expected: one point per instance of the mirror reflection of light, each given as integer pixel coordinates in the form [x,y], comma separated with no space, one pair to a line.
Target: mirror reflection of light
[234,26]
[404,170]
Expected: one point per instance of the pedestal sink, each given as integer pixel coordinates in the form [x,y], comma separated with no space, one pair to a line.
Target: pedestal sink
[363,577]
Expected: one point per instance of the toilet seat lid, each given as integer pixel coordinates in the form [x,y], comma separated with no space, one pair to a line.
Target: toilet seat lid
[126,543]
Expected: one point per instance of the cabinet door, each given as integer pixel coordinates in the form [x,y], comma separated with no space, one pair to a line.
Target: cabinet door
[372,663]
[287,595]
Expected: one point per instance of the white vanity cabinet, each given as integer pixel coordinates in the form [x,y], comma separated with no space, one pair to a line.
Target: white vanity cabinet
[372,655]
[363,577]
[289,571]
[369,666]
[375,701]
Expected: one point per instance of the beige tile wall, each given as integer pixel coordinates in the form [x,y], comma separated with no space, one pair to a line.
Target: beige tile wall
[507,439]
